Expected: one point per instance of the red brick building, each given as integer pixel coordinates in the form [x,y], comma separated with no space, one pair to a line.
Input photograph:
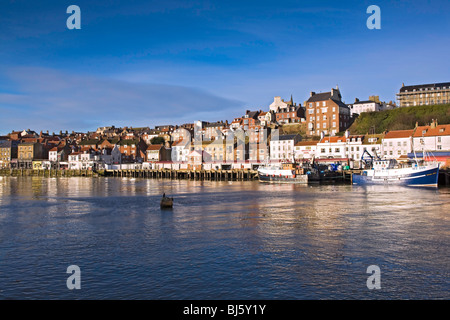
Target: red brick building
[325,112]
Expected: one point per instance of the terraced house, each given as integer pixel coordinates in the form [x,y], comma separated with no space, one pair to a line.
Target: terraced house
[132,150]
[8,151]
[397,144]
[29,151]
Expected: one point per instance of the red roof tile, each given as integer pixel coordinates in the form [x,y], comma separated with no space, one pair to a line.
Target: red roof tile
[399,134]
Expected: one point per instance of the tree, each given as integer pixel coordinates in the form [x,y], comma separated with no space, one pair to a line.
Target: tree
[157,140]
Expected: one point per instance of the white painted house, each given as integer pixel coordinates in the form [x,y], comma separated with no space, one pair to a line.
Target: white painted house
[282,147]
[181,150]
[305,150]
[397,143]
[432,138]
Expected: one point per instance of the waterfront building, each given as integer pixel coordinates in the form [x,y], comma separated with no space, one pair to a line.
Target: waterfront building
[258,143]
[74,162]
[196,158]
[424,94]
[305,150]
[29,151]
[180,150]
[8,151]
[350,147]
[397,144]
[109,156]
[434,137]
[339,147]
[158,152]
[216,149]
[325,112]
[282,147]
[58,154]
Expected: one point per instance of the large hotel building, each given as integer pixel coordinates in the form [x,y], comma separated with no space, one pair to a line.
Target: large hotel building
[424,94]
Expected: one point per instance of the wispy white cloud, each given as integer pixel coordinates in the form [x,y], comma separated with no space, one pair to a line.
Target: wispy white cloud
[54,100]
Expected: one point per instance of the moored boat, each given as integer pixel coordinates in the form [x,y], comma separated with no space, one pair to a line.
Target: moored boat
[282,173]
[389,172]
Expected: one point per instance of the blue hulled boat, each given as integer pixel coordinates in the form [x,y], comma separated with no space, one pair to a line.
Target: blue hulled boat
[389,172]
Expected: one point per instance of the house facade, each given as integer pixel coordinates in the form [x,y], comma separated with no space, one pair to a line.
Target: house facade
[8,151]
[397,143]
[432,138]
[282,147]
[29,151]
[424,94]
[325,112]
[305,150]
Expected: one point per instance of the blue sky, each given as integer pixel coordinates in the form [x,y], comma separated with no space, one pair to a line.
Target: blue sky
[144,63]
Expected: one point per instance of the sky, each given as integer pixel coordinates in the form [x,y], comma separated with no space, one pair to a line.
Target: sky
[147,63]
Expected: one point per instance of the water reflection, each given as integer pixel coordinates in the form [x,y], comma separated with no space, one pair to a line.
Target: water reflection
[258,241]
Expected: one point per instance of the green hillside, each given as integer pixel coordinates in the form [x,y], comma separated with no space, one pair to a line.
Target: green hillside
[400,118]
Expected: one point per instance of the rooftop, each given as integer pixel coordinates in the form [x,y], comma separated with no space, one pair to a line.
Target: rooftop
[431,131]
[399,134]
[432,86]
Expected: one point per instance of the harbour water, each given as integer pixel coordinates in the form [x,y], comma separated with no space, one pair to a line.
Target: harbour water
[222,240]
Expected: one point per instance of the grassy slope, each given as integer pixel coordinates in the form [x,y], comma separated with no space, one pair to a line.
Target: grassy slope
[400,118]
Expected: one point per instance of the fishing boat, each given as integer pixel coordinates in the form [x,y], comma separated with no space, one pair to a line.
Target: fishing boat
[282,173]
[390,172]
